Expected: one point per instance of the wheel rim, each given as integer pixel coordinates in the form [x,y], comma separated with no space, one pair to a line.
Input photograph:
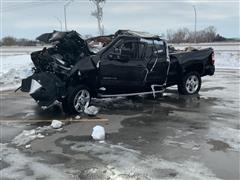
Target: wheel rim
[81,100]
[192,84]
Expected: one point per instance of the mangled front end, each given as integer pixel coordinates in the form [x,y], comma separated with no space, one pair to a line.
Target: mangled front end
[44,87]
[56,67]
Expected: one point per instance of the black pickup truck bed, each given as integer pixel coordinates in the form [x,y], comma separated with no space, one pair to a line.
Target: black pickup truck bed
[201,61]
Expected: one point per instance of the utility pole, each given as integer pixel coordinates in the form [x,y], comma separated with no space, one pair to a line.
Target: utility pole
[65,12]
[98,13]
[60,22]
[195,24]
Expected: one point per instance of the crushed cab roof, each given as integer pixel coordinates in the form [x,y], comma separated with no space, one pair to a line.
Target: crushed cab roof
[136,33]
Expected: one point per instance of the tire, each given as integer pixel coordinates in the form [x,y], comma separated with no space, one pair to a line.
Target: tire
[190,84]
[77,99]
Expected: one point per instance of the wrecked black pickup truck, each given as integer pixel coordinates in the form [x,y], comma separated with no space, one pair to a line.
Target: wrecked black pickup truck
[126,63]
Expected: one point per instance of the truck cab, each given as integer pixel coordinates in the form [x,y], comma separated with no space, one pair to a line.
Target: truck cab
[132,64]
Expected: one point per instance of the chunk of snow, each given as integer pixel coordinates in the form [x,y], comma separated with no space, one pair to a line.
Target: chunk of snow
[98,133]
[77,117]
[91,110]
[56,124]
[28,146]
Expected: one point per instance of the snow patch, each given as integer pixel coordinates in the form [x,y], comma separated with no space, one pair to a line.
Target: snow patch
[19,165]
[227,60]
[98,133]
[226,134]
[13,70]
[129,162]
[27,136]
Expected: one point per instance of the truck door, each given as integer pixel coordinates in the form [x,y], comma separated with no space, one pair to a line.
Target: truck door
[158,63]
[124,67]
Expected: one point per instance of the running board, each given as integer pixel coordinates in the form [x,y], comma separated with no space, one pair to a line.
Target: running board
[130,94]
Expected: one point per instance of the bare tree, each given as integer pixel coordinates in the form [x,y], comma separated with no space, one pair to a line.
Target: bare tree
[9,41]
[184,35]
[98,13]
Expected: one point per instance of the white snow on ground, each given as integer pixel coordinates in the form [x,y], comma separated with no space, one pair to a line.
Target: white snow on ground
[21,166]
[225,134]
[139,165]
[27,136]
[13,70]
[228,60]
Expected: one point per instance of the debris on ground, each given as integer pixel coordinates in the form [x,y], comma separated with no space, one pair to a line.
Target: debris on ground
[56,124]
[28,146]
[91,110]
[77,117]
[98,133]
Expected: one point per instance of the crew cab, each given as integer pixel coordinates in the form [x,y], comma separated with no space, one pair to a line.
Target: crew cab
[126,63]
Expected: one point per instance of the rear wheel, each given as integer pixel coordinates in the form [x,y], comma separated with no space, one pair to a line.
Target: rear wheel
[77,100]
[190,84]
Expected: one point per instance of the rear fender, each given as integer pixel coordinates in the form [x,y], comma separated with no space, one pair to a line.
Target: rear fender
[198,67]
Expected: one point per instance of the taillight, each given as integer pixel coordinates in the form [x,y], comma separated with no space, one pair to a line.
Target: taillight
[213,58]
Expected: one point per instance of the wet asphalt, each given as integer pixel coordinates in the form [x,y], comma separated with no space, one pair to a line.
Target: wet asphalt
[173,137]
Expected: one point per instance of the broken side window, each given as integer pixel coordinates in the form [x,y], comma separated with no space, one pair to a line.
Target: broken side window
[159,47]
[134,50]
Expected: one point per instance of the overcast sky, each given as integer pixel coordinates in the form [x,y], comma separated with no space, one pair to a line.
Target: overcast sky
[30,18]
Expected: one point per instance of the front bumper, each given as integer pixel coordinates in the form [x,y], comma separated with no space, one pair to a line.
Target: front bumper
[44,87]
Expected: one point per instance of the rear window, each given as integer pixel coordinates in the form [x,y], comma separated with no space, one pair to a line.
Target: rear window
[154,48]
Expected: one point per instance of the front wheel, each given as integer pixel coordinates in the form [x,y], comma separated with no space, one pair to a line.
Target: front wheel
[190,84]
[77,100]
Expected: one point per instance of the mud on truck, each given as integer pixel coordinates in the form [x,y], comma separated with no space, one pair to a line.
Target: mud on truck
[128,63]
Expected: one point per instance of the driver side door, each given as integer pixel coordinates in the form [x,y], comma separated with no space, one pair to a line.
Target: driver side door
[123,67]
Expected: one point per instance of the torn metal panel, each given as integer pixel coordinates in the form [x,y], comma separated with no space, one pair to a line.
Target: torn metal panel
[49,90]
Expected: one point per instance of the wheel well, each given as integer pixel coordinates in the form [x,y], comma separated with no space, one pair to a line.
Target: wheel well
[76,80]
[194,68]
